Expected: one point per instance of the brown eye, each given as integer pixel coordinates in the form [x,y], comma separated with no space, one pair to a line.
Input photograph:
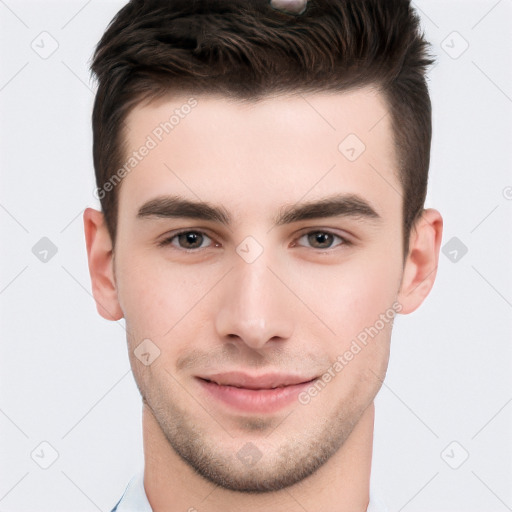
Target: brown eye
[188,240]
[321,240]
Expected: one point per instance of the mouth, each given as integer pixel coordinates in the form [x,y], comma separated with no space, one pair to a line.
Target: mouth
[254,394]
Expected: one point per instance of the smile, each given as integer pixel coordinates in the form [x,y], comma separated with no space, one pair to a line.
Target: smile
[254,394]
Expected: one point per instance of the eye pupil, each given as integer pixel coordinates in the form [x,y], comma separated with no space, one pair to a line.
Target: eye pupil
[190,240]
[321,240]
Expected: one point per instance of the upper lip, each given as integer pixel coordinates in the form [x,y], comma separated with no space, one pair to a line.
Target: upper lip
[266,381]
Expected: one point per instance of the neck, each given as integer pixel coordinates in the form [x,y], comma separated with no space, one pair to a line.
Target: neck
[340,485]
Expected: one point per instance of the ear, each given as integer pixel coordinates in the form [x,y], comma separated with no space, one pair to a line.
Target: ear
[101,266]
[420,268]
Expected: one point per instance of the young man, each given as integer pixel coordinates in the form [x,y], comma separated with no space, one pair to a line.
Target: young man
[262,170]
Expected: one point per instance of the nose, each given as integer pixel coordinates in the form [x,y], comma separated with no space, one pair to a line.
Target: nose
[254,307]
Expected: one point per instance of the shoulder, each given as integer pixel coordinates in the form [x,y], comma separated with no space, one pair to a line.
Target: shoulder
[134,498]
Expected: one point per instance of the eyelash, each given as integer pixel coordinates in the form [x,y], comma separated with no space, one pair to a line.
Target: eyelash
[169,240]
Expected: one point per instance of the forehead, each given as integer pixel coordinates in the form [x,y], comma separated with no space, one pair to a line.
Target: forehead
[281,148]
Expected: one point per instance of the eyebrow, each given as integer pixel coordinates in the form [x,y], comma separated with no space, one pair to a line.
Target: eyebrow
[343,205]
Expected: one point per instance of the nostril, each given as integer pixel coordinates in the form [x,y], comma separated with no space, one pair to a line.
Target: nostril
[290,6]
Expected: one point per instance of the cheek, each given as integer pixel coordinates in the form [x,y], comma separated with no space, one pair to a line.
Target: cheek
[372,293]
[156,296]
[367,321]
[351,296]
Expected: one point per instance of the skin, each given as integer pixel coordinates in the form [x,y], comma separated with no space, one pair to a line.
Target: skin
[294,309]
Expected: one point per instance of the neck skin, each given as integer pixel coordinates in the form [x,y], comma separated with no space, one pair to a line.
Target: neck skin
[340,485]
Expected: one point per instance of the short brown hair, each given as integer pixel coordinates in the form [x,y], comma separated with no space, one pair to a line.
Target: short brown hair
[246,50]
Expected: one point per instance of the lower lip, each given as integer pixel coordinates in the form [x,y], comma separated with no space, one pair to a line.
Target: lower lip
[254,400]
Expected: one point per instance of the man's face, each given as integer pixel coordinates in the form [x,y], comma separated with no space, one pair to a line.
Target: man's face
[262,289]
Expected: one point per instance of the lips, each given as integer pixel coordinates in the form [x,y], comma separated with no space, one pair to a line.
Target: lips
[268,381]
[254,393]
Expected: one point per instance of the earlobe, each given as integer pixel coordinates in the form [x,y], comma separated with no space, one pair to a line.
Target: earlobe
[101,269]
[421,264]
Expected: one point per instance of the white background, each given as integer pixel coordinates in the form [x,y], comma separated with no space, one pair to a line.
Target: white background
[64,372]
